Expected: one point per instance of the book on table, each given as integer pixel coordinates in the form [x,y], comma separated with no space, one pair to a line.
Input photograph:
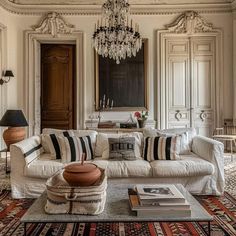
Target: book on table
[158,202]
[159,193]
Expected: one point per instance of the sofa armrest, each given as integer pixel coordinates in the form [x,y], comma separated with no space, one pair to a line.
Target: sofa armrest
[26,151]
[212,151]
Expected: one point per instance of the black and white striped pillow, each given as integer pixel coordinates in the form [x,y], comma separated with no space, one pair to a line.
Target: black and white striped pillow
[31,150]
[161,148]
[53,142]
[72,148]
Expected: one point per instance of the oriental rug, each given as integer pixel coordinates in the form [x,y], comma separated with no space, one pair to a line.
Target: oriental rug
[222,208]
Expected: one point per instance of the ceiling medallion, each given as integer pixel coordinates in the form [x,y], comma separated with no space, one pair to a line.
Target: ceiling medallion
[114,36]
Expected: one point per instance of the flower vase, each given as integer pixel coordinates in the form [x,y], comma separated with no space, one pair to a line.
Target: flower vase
[141,123]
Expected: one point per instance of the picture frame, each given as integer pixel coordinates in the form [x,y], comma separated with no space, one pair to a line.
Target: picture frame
[114,80]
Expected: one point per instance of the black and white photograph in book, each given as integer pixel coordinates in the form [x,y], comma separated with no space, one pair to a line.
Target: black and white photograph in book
[160,190]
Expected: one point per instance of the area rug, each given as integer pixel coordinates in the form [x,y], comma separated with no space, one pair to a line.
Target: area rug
[222,208]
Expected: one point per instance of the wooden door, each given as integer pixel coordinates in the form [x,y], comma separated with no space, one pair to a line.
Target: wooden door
[58,86]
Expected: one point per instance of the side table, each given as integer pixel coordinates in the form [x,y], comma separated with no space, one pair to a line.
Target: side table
[227,137]
[5,151]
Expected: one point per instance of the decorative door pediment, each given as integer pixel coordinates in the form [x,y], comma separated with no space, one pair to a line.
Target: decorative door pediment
[54,24]
[190,22]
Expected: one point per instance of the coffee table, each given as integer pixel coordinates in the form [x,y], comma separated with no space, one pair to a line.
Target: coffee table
[117,209]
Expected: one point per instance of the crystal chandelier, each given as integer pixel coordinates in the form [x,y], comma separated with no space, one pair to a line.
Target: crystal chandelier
[114,36]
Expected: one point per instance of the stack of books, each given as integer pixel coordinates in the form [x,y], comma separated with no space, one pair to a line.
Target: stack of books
[158,199]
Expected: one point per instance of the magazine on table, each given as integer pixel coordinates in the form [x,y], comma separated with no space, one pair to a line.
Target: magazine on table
[159,192]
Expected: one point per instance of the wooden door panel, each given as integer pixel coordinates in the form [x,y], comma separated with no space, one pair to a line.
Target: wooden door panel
[57,86]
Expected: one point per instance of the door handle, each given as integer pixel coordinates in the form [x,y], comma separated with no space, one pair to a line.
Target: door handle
[178,115]
[203,115]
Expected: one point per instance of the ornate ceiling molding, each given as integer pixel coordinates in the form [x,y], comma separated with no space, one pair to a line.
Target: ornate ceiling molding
[136,9]
[54,24]
[190,22]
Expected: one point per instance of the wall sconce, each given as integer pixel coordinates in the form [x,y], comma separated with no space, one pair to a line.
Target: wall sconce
[9,74]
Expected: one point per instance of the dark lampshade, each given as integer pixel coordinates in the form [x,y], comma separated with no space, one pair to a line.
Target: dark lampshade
[8,73]
[13,118]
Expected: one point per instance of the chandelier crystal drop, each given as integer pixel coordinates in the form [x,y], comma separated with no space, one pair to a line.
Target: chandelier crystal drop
[114,36]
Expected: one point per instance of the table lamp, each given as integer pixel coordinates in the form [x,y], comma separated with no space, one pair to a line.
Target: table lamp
[15,120]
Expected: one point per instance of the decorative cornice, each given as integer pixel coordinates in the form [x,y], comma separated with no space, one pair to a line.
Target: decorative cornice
[190,22]
[139,9]
[54,24]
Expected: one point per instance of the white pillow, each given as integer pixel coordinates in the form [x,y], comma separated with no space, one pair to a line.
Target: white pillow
[45,140]
[102,144]
[186,135]
[91,133]
[72,148]
[58,132]
[162,148]
[149,132]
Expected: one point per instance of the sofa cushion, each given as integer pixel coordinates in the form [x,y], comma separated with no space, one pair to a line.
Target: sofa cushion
[188,166]
[186,135]
[72,148]
[30,149]
[100,163]
[122,148]
[66,133]
[161,148]
[102,144]
[136,168]
[43,167]
[52,133]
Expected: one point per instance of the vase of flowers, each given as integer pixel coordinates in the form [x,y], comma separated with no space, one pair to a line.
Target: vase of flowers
[141,118]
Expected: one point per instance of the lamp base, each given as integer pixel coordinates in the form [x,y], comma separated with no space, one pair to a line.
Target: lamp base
[13,135]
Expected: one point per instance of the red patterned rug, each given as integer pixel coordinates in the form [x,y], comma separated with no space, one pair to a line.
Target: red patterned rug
[223,208]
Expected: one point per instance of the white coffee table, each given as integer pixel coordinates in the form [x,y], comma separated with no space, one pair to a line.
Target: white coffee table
[117,209]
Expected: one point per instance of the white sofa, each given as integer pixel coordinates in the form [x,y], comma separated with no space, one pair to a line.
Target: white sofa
[201,172]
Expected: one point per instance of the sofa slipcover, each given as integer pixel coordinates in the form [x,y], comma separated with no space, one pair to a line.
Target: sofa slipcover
[187,166]
[125,169]
[201,173]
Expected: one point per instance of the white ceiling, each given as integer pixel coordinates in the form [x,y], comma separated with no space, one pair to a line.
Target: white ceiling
[99,2]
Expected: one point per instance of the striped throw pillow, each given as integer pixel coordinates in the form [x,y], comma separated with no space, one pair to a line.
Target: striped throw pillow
[53,142]
[161,148]
[72,148]
[31,150]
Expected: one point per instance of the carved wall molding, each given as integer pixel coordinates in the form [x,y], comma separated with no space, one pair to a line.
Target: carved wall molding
[54,24]
[190,22]
[136,9]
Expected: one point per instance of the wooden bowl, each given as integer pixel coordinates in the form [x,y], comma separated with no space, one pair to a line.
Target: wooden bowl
[77,174]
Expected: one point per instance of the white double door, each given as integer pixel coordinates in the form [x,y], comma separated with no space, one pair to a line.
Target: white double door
[190,83]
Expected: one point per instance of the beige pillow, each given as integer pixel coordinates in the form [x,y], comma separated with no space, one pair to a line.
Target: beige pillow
[122,148]
[102,144]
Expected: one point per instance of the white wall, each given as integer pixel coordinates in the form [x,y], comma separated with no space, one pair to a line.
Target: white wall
[234,67]
[149,24]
